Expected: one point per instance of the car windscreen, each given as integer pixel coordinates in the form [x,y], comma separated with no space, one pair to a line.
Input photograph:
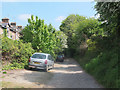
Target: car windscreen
[39,56]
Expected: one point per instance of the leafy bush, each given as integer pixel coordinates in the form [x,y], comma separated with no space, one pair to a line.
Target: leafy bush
[104,68]
[15,52]
[101,61]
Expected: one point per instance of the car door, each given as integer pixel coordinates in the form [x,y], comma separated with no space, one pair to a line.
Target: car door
[52,61]
[49,60]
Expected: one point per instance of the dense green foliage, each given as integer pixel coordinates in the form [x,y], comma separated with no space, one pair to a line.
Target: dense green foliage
[104,68]
[15,53]
[88,29]
[101,61]
[68,26]
[42,37]
[96,43]
[110,16]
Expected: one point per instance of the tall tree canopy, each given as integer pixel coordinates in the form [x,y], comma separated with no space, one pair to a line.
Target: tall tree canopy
[88,28]
[43,37]
[110,16]
[69,26]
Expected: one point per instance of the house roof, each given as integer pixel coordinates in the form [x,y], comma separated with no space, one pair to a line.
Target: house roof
[12,26]
[12,23]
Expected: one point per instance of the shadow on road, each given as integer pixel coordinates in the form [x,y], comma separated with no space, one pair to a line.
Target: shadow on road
[38,76]
[61,71]
[36,69]
[65,74]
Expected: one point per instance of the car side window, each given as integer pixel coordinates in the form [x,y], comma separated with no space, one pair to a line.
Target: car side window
[52,58]
[49,57]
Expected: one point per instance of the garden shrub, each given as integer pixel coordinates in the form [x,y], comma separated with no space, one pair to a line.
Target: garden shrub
[15,52]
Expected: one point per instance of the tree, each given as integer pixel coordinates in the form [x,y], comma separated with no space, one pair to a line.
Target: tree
[43,37]
[88,29]
[69,26]
[110,16]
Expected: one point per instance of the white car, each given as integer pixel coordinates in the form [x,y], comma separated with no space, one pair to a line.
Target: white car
[41,61]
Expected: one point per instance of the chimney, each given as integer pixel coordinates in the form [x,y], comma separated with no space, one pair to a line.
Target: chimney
[5,20]
[19,27]
[13,24]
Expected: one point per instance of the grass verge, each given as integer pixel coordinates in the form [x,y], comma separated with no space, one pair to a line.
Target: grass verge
[102,66]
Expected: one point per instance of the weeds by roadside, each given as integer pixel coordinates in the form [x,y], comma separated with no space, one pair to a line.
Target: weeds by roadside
[103,66]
